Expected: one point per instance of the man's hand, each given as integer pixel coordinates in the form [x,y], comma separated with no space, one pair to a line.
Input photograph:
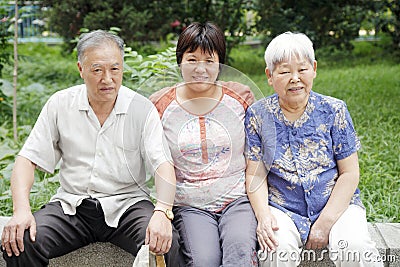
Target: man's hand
[159,233]
[12,239]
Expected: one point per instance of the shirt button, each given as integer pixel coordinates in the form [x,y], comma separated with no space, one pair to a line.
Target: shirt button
[312,213]
[308,193]
[100,154]
[294,132]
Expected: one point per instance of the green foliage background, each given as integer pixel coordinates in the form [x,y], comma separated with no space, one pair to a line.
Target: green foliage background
[333,23]
[366,79]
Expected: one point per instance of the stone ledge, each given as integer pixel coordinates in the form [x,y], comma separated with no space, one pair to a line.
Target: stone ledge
[97,254]
[387,239]
[385,235]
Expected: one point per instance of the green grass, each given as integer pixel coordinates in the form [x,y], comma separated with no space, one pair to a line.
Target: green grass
[370,85]
[372,93]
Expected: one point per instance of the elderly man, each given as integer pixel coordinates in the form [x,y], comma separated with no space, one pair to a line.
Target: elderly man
[103,134]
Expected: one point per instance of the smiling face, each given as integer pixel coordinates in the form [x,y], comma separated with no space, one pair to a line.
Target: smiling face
[102,70]
[200,71]
[292,80]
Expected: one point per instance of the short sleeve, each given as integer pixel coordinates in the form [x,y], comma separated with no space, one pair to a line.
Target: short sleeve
[240,92]
[345,140]
[253,147]
[41,146]
[155,144]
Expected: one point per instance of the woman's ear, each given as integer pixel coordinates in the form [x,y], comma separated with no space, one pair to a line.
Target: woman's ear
[315,68]
[269,76]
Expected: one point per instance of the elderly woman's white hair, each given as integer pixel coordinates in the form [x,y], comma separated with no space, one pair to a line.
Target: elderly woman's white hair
[286,45]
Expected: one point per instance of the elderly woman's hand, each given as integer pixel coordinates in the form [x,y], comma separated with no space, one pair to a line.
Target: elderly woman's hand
[265,233]
[319,236]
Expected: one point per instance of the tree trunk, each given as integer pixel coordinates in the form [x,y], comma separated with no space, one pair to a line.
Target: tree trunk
[15,73]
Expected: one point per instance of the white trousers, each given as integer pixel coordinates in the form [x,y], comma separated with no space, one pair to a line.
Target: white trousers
[350,244]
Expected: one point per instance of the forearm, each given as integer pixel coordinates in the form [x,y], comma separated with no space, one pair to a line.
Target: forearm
[339,200]
[165,182]
[22,179]
[343,190]
[257,189]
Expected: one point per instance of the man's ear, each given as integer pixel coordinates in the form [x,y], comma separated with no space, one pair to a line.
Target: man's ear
[80,68]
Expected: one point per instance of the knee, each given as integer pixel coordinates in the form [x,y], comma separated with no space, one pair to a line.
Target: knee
[287,253]
[205,259]
[349,244]
[202,257]
[280,257]
[31,255]
[287,245]
[353,249]
[28,243]
[239,249]
[240,254]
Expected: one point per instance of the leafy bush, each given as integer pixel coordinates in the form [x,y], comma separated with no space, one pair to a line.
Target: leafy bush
[6,52]
[149,75]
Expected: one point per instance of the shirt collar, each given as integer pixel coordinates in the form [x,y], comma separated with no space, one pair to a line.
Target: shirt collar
[82,98]
[121,106]
[124,99]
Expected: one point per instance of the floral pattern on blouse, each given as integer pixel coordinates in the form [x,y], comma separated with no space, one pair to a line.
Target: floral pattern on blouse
[301,156]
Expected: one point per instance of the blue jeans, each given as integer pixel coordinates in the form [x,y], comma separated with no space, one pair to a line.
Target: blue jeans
[224,239]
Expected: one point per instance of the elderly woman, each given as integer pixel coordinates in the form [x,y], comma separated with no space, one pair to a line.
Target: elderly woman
[303,167]
[203,120]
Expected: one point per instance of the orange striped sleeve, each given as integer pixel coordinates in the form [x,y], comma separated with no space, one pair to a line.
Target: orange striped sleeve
[162,98]
[240,92]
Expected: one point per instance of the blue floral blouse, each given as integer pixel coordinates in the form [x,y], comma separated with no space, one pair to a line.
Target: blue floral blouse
[301,155]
